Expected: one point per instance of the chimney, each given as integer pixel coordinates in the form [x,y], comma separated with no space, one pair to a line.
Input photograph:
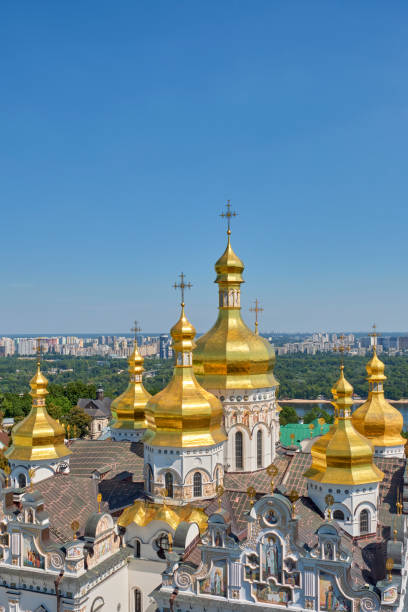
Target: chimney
[99,394]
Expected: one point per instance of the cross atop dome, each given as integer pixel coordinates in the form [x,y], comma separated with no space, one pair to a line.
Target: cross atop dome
[227,215]
[136,329]
[256,309]
[182,286]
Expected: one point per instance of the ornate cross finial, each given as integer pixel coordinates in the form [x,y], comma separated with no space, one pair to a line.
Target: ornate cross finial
[257,308]
[374,335]
[227,215]
[251,492]
[182,286]
[75,527]
[342,348]
[99,500]
[39,350]
[272,471]
[136,329]
[219,489]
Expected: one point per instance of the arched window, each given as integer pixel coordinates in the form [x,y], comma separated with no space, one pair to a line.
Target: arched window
[149,477]
[239,464]
[338,514]
[259,449]
[198,484]
[22,481]
[137,549]
[168,483]
[138,600]
[364,522]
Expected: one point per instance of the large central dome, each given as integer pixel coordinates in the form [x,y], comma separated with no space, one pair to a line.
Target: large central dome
[230,355]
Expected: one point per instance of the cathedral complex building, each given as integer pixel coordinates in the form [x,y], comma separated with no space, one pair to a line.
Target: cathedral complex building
[193,504]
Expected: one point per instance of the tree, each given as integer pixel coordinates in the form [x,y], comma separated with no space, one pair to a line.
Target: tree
[58,406]
[78,420]
[288,415]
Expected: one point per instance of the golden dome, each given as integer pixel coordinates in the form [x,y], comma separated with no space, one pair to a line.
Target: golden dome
[38,436]
[230,355]
[143,513]
[128,410]
[376,419]
[184,414]
[348,455]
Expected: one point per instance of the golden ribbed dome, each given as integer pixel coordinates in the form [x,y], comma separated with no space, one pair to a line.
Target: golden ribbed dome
[142,513]
[128,410]
[38,436]
[348,455]
[230,355]
[376,419]
[184,414]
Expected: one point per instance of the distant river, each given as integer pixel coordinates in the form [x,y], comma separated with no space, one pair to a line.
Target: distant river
[302,407]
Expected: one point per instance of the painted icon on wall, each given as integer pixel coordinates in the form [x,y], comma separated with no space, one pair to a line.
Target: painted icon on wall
[31,557]
[331,600]
[216,581]
[271,558]
[273,594]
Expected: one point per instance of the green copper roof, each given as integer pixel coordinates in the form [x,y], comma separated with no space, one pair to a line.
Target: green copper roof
[301,432]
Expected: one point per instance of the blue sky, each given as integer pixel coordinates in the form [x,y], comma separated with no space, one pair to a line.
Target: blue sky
[124,128]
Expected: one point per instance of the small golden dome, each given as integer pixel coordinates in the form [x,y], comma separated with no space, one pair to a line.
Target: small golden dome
[230,355]
[142,513]
[375,368]
[348,455]
[229,267]
[184,414]
[38,436]
[128,410]
[376,419]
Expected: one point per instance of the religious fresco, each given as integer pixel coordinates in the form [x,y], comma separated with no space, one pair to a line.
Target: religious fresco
[270,517]
[331,600]
[31,557]
[271,555]
[216,581]
[272,594]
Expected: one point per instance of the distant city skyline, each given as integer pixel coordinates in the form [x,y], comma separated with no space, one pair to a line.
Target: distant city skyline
[124,134]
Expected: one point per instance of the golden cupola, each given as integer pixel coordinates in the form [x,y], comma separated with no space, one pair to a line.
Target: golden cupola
[128,410]
[230,355]
[38,437]
[345,457]
[184,414]
[376,419]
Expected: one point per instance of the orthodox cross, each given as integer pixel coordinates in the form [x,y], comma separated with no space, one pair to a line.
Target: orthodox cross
[374,335]
[182,286]
[257,308]
[342,347]
[227,215]
[39,349]
[136,329]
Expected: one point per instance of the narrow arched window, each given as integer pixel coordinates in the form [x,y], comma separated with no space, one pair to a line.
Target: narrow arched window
[168,483]
[338,514]
[137,549]
[259,449]
[364,522]
[198,484]
[149,476]
[138,600]
[22,481]
[239,463]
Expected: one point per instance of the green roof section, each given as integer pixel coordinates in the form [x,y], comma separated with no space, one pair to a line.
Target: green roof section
[302,431]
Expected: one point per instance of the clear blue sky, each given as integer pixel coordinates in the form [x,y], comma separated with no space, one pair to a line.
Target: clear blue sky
[125,126]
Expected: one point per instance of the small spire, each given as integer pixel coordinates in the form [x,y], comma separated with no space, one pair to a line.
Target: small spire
[227,215]
[136,329]
[374,336]
[256,309]
[182,286]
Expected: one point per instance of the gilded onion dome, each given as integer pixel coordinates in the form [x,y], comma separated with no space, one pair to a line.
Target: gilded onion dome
[128,410]
[230,355]
[184,414]
[376,419]
[347,455]
[38,436]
